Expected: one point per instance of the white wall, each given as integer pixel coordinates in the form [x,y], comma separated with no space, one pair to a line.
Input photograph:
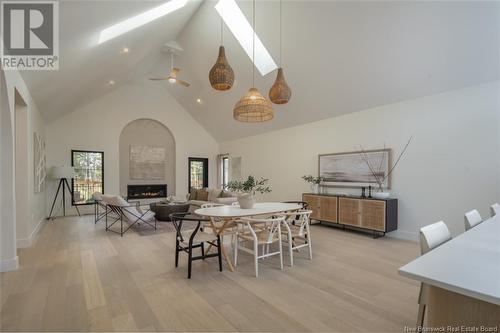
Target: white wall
[26,228]
[97,126]
[451,165]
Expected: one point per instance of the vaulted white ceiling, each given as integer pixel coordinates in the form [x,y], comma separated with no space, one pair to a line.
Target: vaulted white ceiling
[338,57]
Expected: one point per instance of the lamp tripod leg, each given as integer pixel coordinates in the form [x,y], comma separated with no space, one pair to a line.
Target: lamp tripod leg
[55,198]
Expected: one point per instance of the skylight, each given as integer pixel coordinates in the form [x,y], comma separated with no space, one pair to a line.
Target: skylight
[139,20]
[242,30]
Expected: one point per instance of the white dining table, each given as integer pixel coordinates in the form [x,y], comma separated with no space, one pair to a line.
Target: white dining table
[464,270]
[225,214]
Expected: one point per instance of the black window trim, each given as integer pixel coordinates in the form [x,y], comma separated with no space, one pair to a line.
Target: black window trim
[73,180]
[205,170]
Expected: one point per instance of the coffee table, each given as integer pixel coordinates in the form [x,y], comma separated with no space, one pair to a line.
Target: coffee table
[162,210]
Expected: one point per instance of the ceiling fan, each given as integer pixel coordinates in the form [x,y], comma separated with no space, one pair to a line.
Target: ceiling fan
[172,77]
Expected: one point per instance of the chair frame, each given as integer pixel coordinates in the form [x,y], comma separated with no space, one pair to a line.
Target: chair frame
[272,229]
[177,219]
[303,218]
[422,296]
[120,212]
[98,215]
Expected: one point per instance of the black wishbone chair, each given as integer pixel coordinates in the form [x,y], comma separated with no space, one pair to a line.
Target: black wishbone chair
[124,211]
[187,240]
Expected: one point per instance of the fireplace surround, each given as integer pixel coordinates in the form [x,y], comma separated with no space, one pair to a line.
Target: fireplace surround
[146,191]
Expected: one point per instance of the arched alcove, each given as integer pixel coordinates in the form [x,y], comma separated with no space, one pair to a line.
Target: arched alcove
[8,252]
[146,133]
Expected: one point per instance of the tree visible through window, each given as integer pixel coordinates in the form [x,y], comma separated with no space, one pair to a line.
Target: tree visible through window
[198,172]
[89,175]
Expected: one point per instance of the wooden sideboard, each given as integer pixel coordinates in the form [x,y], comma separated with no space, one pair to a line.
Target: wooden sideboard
[377,215]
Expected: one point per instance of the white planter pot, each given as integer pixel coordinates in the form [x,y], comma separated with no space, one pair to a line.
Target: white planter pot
[246,200]
[315,188]
[381,195]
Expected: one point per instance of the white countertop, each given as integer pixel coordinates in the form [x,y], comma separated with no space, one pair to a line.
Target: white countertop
[469,264]
[258,209]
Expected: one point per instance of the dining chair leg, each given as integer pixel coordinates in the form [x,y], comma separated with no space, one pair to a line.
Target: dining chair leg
[177,253]
[280,246]
[203,251]
[290,249]
[256,257]
[308,239]
[420,317]
[219,252]
[190,260]
[236,251]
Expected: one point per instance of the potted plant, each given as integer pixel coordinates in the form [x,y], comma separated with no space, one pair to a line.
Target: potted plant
[314,181]
[246,190]
[377,173]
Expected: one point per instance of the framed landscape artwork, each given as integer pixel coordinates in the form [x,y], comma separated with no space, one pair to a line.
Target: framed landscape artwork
[147,163]
[351,169]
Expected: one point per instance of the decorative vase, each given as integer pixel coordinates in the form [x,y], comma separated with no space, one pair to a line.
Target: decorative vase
[246,200]
[315,188]
[381,195]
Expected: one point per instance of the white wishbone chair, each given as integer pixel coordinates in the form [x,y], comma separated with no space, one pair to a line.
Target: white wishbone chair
[247,232]
[296,227]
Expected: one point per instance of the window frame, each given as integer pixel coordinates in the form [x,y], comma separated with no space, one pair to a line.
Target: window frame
[204,160]
[223,170]
[73,179]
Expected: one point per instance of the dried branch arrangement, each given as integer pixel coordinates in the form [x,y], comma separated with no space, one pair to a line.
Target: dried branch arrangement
[376,171]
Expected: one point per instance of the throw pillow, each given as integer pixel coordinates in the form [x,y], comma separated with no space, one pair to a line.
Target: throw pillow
[193,195]
[202,195]
[213,194]
[227,194]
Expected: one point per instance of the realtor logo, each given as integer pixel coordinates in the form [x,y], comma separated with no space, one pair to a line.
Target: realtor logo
[30,34]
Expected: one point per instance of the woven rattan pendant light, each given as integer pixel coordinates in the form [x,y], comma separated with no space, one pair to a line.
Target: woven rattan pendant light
[280,92]
[253,107]
[221,75]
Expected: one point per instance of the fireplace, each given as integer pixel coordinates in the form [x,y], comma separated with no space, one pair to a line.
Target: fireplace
[146,191]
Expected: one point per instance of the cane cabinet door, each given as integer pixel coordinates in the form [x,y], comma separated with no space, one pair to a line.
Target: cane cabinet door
[314,204]
[328,207]
[373,214]
[349,211]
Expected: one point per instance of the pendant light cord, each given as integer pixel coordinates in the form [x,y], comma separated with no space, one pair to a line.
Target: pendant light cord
[222,28]
[253,45]
[281,43]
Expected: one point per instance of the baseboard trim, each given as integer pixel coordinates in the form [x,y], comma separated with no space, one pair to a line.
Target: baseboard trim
[9,264]
[27,242]
[406,235]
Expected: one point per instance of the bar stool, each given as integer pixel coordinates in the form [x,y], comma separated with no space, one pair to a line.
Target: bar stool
[494,209]
[472,219]
[431,236]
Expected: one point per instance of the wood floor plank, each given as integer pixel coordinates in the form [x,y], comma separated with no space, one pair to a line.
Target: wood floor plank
[78,277]
[94,295]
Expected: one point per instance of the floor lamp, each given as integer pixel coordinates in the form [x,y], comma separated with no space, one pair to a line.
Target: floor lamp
[62,173]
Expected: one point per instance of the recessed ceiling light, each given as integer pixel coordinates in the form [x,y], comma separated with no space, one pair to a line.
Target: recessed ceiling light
[198,100]
[111,82]
[139,20]
[125,50]
[242,30]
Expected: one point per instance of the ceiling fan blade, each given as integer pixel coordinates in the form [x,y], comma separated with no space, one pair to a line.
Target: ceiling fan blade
[184,83]
[158,78]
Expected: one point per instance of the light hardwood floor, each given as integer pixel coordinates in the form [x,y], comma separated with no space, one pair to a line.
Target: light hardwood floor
[78,277]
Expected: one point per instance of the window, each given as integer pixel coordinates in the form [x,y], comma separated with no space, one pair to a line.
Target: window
[225,171]
[89,175]
[198,172]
